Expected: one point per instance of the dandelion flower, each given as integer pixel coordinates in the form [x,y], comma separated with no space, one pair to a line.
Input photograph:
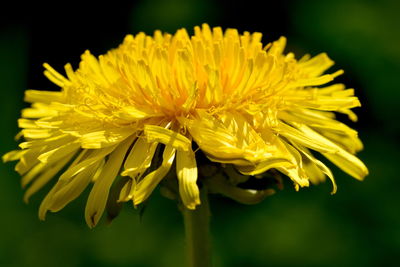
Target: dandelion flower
[248,108]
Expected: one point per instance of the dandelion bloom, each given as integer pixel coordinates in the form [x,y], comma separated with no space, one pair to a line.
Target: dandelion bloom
[246,106]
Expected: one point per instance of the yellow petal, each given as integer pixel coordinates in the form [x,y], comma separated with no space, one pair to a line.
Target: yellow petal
[28,160]
[43,96]
[317,65]
[315,81]
[68,191]
[343,159]
[32,173]
[33,113]
[236,161]
[13,155]
[150,181]
[280,156]
[56,154]
[213,138]
[99,194]
[321,166]
[186,170]
[54,76]
[350,114]
[229,138]
[165,136]
[349,164]
[327,103]
[316,120]
[295,171]
[128,190]
[330,128]
[93,157]
[264,166]
[25,123]
[51,142]
[104,138]
[278,47]
[37,133]
[65,191]
[306,138]
[350,143]
[139,158]
[47,175]
[131,113]
[315,175]
[296,175]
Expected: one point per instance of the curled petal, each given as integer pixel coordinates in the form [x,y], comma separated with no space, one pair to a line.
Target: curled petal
[186,170]
[167,137]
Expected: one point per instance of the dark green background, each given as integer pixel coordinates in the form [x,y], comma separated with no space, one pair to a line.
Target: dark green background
[359,226]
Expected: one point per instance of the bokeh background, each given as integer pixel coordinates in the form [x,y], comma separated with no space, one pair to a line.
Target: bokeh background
[359,226]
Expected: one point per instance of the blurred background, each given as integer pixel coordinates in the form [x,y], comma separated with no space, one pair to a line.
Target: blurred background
[359,226]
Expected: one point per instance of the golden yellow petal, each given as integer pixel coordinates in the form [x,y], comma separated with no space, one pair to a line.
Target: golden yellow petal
[139,158]
[295,171]
[93,157]
[64,191]
[316,120]
[350,143]
[146,186]
[230,138]
[46,176]
[321,166]
[48,143]
[104,138]
[127,191]
[32,174]
[46,97]
[317,65]
[25,123]
[28,160]
[13,155]
[167,137]
[58,153]
[37,133]
[99,194]
[349,164]
[264,166]
[186,171]
[278,46]
[306,139]
[280,156]
[54,76]
[343,159]
[70,190]
[131,113]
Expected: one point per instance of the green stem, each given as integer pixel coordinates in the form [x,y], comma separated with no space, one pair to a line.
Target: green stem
[197,232]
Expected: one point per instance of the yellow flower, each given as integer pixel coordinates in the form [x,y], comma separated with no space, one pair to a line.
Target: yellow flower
[241,103]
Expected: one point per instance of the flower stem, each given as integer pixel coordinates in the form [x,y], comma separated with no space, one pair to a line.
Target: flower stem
[197,232]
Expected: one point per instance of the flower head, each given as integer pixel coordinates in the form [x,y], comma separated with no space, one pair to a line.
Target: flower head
[246,106]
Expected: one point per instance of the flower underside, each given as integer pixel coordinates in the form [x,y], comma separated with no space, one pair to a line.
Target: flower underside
[245,105]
